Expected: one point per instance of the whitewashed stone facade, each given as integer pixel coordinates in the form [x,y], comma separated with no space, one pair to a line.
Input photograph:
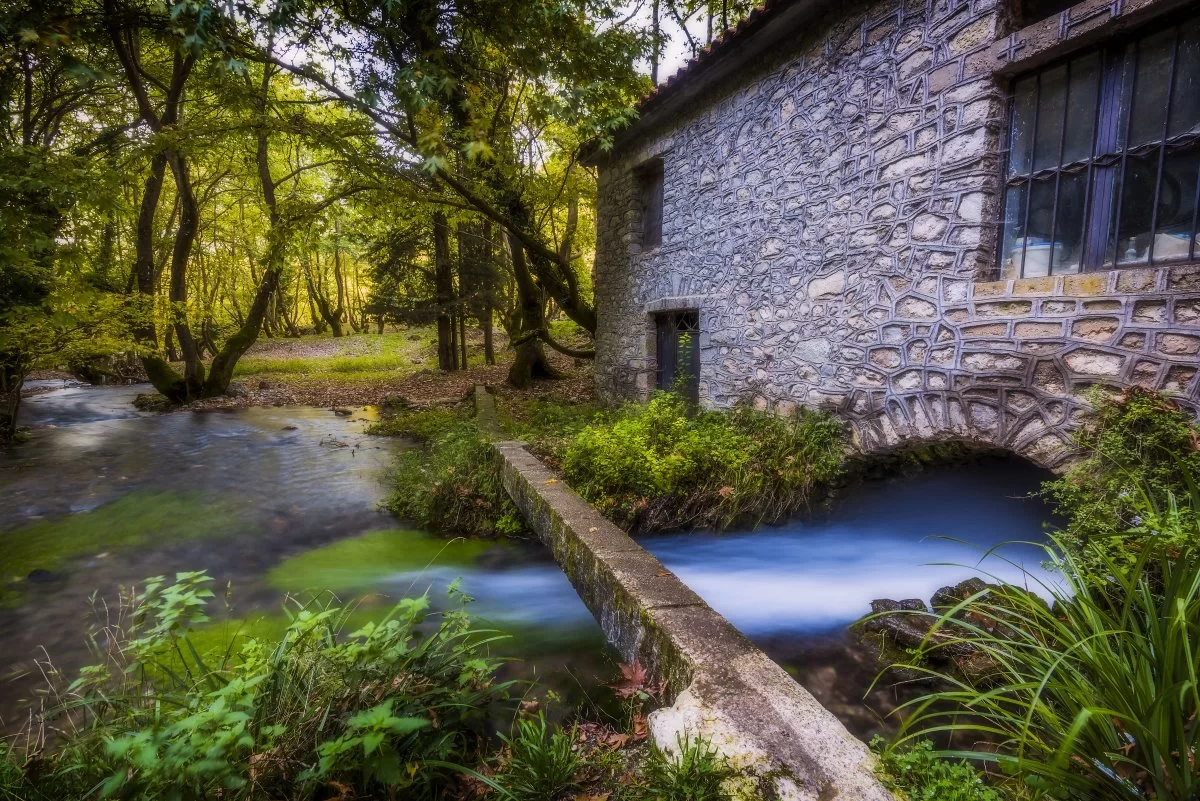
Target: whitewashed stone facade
[834,216]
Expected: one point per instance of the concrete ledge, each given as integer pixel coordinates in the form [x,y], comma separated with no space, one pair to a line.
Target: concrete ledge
[724,688]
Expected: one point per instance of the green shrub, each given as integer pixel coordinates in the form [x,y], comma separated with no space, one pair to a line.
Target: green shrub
[451,485]
[548,426]
[541,763]
[662,466]
[696,773]
[1096,696]
[1139,450]
[388,709]
[917,773]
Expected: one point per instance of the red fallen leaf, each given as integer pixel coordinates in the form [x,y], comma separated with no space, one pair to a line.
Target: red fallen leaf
[641,728]
[616,740]
[633,678]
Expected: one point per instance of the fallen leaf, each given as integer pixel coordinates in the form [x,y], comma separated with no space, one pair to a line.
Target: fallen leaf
[662,573]
[641,730]
[616,740]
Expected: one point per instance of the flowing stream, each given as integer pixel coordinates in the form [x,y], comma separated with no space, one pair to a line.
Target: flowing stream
[278,500]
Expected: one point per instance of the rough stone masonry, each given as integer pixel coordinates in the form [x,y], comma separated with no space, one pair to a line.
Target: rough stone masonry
[832,210]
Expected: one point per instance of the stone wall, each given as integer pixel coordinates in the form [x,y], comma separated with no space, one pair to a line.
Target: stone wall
[831,218]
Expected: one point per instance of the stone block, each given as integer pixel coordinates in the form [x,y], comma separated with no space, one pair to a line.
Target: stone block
[1086,284]
[1056,308]
[1185,277]
[1133,341]
[1178,344]
[1034,286]
[1178,378]
[1096,329]
[1010,308]
[1036,330]
[985,330]
[1187,312]
[1149,311]
[990,289]
[1136,281]
[1145,374]
[988,362]
[1048,378]
[1094,362]
[942,356]
[907,381]
[914,308]
[886,357]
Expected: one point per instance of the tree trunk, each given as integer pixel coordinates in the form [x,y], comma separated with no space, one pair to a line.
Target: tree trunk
[530,361]
[462,337]
[485,322]
[12,379]
[443,282]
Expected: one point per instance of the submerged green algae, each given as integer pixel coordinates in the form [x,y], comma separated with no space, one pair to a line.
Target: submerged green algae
[130,520]
[363,561]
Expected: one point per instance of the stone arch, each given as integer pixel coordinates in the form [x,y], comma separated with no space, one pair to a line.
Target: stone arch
[1023,424]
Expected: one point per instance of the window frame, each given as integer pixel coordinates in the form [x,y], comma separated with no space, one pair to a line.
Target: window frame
[650,180]
[1100,238]
[668,326]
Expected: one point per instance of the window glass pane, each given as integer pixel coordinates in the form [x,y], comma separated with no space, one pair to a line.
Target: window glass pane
[1150,94]
[1024,98]
[1068,232]
[1133,231]
[1185,96]
[1052,104]
[1081,108]
[1039,250]
[1177,205]
[1013,240]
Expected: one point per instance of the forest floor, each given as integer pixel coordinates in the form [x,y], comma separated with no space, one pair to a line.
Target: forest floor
[365,369]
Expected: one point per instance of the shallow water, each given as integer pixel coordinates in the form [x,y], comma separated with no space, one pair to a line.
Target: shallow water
[285,499]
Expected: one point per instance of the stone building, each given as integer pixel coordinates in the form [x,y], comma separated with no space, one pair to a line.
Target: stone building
[943,219]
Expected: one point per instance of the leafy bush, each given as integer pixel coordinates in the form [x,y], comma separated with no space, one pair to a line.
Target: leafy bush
[1140,449]
[662,466]
[549,426]
[1094,697]
[541,764]
[452,484]
[920,774]
[697,773]
[385,710]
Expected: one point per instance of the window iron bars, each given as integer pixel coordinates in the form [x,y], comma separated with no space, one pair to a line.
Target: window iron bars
[1129,215]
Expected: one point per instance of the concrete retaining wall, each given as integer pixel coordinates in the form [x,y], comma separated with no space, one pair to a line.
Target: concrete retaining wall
[724,688]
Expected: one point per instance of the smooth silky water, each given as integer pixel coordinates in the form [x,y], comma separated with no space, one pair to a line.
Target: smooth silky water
[278,500]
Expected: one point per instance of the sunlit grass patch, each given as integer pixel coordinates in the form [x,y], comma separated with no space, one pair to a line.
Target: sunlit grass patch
[363,561]
[131,520]
[359,357]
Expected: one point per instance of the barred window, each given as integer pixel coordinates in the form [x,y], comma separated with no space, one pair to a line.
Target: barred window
[678,351]
[1104,158]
